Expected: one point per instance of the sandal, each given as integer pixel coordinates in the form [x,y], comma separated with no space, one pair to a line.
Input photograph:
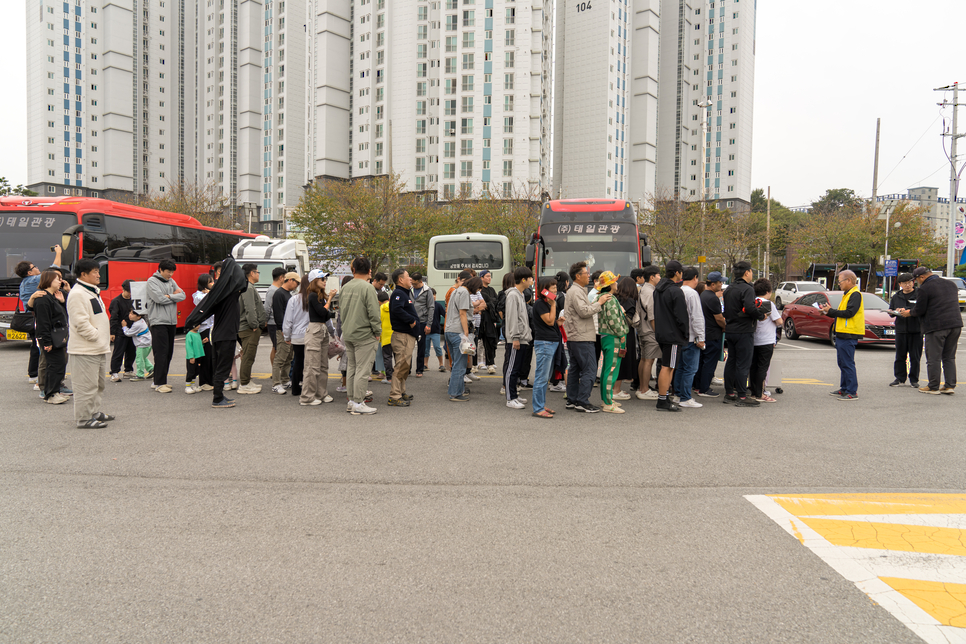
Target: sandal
[542,414]
[766,399]
[92,424]
[549,411]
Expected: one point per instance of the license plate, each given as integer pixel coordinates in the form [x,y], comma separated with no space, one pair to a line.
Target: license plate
[890,331]
[16,335]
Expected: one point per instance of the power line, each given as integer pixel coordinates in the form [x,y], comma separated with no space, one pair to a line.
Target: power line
[925,132]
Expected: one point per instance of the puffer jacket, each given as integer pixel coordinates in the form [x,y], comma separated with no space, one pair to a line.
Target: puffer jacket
[296,321]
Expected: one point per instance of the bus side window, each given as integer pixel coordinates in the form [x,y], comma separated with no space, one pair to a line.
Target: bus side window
[104,273]
[193,246]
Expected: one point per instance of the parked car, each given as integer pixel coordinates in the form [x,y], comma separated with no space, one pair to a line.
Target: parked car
[961,285]
[803,317]
[791,291]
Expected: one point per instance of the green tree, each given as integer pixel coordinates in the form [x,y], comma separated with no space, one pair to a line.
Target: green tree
[204,202]
[784,223]
[372,217]
[6,190]
[673,229]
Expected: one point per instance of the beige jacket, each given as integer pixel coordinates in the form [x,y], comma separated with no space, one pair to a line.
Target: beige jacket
[579,315]
[88,325]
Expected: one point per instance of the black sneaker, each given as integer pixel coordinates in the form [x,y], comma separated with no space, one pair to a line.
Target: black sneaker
[914,384]
[393,402]
[848,397]
[730,399]
[524,385]
[667,405]
[836,394]
[747,402]
[224,403]
[710,393]
[586,408]
[896,383]
[407,397]
[568,404]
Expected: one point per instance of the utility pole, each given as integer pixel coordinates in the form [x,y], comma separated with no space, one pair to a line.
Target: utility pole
[705,105]
[953,179]
[768,236]
[875,166]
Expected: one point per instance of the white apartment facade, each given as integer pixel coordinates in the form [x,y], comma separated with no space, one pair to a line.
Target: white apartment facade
[452,95]
[130,96]
[936,209]
[605,104]
[715,51]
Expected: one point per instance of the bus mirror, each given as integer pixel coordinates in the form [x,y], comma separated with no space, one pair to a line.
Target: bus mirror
[68,235]
[645,255]
[531,255]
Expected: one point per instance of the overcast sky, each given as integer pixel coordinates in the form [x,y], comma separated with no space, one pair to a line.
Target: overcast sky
[825,70]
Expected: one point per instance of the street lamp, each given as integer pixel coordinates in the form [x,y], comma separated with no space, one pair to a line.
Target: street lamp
[897,225]
[705,130]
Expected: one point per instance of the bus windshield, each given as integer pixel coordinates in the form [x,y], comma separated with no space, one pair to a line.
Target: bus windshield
[606,247]
[462,254]
[28,236]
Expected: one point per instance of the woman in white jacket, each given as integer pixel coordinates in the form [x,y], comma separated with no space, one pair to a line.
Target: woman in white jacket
[294,325]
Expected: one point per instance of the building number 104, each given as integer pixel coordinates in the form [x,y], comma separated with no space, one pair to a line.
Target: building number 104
[584,6]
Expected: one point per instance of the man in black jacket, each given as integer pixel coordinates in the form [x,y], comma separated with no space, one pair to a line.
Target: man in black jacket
[406,327]
[124,350]
[938,306]
[670,329]
[908,333]
[741,315]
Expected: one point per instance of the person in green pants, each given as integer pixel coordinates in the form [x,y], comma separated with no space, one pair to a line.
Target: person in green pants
[138,329]
[613,339]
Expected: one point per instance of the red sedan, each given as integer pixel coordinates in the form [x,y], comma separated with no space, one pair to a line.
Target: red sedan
[804,317]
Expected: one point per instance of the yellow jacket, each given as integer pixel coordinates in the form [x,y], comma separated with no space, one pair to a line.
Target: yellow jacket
[386,325]
[854,324]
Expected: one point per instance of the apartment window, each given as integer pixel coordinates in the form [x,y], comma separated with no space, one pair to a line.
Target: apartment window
[466,147]
[449,149]
[731,173]
[421,51]
[511,16]
[420,164]
[508,189]
[420,146]
[508,124]
[421,108]
[468,61]
[422,32]
[422,13]
[467,83]
[508,59]
[452,23]
[511,36]
[467,105]
[449,107]
[507,146]
[466,169]
[469,40]
[508,103]
[450,44]
[420,70]
[449,171]
[421,126]
[420,89]
[450,65]
[508,81]
[469,19]
[508,168]
[420,183]
[467,126]
[448,191]
[449,128]
[731,157]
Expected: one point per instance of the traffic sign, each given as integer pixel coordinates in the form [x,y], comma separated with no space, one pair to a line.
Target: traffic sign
[892,268]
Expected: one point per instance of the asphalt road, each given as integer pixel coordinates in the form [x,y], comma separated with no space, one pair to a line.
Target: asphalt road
[448,522]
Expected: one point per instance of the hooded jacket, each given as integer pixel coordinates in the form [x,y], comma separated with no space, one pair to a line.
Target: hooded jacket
[938,305]
[424,306]
[515,317]
[161,308]
[740,312]
[222,303]
[671,322]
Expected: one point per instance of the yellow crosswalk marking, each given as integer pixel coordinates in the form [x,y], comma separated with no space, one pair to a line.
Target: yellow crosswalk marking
[945,602]
[890,536]
[846,504]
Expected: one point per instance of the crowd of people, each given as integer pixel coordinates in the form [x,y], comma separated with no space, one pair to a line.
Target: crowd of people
[664,333]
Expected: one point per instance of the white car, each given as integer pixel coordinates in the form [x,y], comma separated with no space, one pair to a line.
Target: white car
[788,292]
[961,285]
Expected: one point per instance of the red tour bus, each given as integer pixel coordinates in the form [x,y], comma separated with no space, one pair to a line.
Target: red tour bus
[128,241]
[602,232]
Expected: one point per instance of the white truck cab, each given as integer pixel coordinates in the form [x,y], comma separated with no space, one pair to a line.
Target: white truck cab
[269,254]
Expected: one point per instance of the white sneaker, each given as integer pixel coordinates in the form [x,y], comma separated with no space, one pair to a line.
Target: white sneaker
[560,387]
[474,369]
[473,376]
[340,389]
[467,380]
[362,408]
[622,395]
[502,391]
[57,399]
[650,394]
[350,406]
[311,403]
[491,369]
[191,390]
[164,389]
[515,404]
[279,389]
[287,385]
[36,387]
[115,377]
[31,381]
[249,389]
[692,403]
[522,401]
[717,381]
[328,399]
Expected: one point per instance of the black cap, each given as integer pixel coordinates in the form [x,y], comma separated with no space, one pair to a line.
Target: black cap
[905,277]
[673,266]
[920,271]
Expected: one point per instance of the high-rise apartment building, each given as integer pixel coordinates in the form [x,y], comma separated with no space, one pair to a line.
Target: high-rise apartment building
[130,96]
[707,55]
[452,95]
[605,102]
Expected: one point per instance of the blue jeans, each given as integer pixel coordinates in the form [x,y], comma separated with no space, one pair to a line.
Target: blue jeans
[456,385]
[545,354]
[432,343]
[845,355]
[684,374]
[582,372]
